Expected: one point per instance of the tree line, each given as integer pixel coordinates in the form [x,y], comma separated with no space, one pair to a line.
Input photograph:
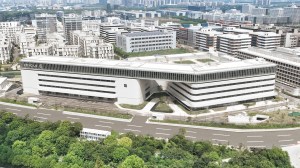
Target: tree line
[28,143]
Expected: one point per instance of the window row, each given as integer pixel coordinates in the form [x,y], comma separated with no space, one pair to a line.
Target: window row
[84,84]
[216,98]
[151,74]
[222,91]
[62,87]
[80,78]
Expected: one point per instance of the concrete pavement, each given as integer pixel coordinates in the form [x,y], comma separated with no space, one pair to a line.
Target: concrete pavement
[138,125]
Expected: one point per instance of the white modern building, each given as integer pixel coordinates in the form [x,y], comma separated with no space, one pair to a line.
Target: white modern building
[71,22]
[46,24]
[131,82]
[91,46]
[10,29]
[265,40]
[206,39]
[146,41]
[230,43]
[5,48]
[288,65]
[94,134]
[110,36]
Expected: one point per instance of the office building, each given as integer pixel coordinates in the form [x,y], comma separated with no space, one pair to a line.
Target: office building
[146,41]
[131,82]
[5,48]
[206,39]
[265,40]
[293,13]
[71,23]
[110,36]
[108,26]
[230,43]
[46,24]
[9,29]
[91,46]
[288,66]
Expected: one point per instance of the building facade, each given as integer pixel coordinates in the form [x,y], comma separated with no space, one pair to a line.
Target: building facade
[46,24]
[288,66]
[146,41]
[131,82]
[230,43]
[71,22]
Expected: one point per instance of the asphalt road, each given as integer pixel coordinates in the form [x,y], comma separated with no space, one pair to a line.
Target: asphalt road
[236,137]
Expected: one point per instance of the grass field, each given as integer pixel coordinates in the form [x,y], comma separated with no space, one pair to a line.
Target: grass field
[162,107]
[205,60]
[185,62]
[120,53]
[159,52]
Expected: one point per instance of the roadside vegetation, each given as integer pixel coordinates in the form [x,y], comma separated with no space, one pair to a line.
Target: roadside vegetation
[125,55]
[278,119]
[100,112]
[135,107]
[28,143]
[16,101]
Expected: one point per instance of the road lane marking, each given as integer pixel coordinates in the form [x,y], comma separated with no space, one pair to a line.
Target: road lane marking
[44,114]
[286,140]
[221,135]
[221,140]
[190,137]
[73,118]
[44,118]
[12,109]
[284,135]
[106,122]
[254,136]
[105,126]
[158,133]
[192,132]
[138,126]
[165,129]
[132,130]
[255,141]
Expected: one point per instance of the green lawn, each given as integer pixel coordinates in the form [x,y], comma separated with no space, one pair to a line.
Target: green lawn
[205,60]
[123,54]
[10,74]
[135,107]
[184,62]
[162,107]
[14,101]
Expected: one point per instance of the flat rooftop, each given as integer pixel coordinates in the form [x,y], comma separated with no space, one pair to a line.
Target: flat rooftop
[285,55]
[152,33]
[152,66]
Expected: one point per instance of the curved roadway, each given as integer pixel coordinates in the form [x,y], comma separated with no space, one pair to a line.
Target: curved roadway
[139,125]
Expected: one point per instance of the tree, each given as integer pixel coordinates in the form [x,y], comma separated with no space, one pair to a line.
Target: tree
[125,142]
[120,154]
[62,144]
[132,161]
